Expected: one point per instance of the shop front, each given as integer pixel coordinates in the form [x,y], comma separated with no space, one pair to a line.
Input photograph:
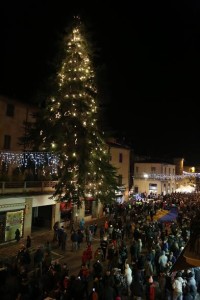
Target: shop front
[11,218]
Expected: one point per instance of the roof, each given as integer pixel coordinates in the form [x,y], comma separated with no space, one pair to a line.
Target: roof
[117,145]
[155,161]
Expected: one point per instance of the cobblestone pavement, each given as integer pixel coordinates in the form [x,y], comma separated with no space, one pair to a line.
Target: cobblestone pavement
[39,237]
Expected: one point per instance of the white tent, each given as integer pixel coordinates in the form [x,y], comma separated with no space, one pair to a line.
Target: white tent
[185,189]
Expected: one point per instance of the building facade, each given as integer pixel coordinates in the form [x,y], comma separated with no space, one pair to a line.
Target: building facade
[120,159]
[13,114]
[154,178]
[23,205]
[29,204]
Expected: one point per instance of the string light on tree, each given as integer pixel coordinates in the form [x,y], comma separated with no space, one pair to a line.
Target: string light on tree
[70,118]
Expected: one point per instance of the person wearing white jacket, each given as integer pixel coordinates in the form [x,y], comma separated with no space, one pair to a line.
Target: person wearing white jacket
[128,275]
[177,286]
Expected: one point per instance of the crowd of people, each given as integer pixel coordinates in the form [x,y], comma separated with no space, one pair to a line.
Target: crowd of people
[133,260]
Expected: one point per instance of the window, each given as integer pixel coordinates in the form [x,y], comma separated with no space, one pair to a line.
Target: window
[153,170]
[120,180]
[137,169]
[10,110]
[153,187]
[7,142]
[120,157]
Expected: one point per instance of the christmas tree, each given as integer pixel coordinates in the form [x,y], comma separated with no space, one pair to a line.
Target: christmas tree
[68,126]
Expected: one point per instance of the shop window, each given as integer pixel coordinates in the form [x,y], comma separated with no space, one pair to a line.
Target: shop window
[2,226]
[14,220]
[153,187]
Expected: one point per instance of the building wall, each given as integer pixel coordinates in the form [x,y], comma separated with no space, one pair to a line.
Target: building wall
[158,178]
[143,185]
[123,166]
[142,169]
[28,216]
[12,205]
[13,125]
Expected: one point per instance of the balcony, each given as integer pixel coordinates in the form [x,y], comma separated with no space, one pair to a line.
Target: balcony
[26,187]
[154,176]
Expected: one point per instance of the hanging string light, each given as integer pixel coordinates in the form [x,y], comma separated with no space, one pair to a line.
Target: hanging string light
[23,158]
[168,177]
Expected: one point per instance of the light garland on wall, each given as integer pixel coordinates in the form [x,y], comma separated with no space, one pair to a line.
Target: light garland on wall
[167,177]
[188,174]
[39,159]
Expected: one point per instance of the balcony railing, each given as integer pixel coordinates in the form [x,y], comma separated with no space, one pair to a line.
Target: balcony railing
[20,187]
[160,177]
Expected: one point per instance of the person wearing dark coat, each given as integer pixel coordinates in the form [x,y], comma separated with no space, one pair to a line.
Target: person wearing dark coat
[104,246]
[38,259]
[17,235]
[109,293]
[134,250]
[28,242]
[136,287]
[97,269]
[77,289]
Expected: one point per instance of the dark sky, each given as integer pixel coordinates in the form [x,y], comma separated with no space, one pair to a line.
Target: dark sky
[149,54]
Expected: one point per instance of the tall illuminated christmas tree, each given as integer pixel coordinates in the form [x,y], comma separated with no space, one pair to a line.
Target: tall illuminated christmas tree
[68,127]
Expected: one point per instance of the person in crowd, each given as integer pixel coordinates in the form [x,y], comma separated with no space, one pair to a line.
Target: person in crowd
[95,228]
[82,224]
[104,246]
[128,276]
[97,269]
[87,256]
[177,285]
[148,268]
[162,261]
[55,229]
[74,240]
[151,289]
[191,283]
[28,242]
[137,288]
[98,254]
[17,235]
[101,232]
[64,240]
[38,258]
[80,237]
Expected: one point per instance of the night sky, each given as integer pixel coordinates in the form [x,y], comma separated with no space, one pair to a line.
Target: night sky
[148,58]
